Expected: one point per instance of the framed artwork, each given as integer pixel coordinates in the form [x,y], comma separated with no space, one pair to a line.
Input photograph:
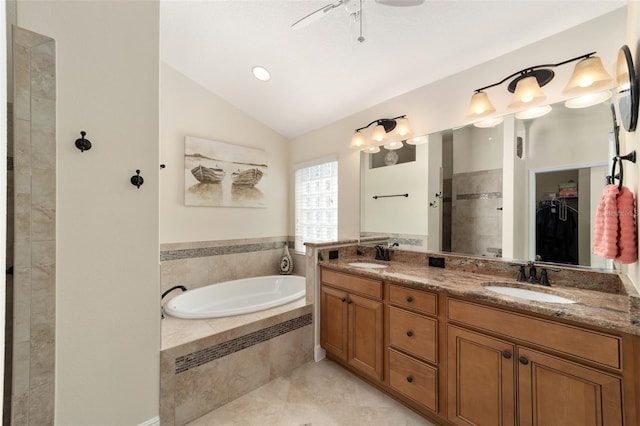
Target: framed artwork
[219,174]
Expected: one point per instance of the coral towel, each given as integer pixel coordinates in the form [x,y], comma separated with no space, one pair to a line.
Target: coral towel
[627,245]
[614,235]
[605,233]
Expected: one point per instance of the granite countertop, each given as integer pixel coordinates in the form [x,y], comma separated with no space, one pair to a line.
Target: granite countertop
[606,310]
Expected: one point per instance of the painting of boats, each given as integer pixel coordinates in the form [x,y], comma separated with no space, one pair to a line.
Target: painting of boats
[249,177]
[208,174]
[218,174]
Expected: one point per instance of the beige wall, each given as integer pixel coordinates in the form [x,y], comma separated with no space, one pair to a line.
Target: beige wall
[188,109]
[108,322]
[443,104]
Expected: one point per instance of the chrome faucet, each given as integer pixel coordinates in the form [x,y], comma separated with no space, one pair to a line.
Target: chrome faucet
[163,295]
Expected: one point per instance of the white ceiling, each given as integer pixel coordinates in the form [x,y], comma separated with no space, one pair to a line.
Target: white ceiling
[321,74]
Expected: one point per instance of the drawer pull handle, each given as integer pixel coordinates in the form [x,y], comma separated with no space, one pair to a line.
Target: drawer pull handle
[409,299]
[344,299]
[524,361]
[410,379]
[506,354]
[409,333]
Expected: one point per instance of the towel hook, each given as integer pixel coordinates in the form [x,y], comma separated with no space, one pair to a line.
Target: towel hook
[83,144]
[137,180]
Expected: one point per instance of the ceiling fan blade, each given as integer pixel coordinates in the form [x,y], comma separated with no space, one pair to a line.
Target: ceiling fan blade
[315,15]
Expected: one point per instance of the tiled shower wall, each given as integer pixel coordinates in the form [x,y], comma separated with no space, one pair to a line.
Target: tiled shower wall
[476,212]
[34,233]
[196,264]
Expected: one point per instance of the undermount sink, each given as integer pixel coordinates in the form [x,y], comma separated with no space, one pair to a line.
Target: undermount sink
[367,265]
[533,295]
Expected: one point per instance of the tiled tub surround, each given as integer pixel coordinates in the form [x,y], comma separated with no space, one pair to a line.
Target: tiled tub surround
[208,363]
[200,263]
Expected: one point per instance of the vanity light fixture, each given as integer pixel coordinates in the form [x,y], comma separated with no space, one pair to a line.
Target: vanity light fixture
[388,132]
[588,100]
[588,75]
[489,122]
[418,140]
[533,112]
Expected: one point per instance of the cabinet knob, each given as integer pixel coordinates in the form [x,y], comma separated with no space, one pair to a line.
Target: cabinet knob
[409,299]
[344,299]
[410,379]
[506,354]
[524,361]
[409,333]
[349,302]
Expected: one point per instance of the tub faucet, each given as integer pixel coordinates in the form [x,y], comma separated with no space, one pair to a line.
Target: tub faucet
[176,287]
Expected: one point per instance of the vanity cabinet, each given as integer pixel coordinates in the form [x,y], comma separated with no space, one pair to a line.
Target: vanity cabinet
[564,386]
[413,345]
[351,324]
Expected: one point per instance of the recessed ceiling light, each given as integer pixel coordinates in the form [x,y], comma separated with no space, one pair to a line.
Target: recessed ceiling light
[261,73]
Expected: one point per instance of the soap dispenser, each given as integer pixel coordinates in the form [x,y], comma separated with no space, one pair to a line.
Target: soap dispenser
[286,264]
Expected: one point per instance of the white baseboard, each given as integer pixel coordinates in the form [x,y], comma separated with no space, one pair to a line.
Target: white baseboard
[151,422]
[319,354]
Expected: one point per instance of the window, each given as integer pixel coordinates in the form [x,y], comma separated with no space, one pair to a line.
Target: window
[316,198]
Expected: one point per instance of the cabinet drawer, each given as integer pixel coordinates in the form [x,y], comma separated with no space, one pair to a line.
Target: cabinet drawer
[413,333]
[590,345]
[414,299]
[414,379]
[352,283]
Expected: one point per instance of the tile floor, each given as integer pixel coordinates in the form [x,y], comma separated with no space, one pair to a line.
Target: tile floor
[318,394]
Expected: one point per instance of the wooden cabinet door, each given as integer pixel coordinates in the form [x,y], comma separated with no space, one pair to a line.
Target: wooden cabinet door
[365,335]
[480,379]
[333,321]
[553,391]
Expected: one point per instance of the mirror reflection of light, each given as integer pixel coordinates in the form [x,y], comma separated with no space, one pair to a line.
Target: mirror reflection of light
[491,122]
[533,112]
[588,100]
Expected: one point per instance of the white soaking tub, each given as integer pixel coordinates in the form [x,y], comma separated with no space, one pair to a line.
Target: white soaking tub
[236,297]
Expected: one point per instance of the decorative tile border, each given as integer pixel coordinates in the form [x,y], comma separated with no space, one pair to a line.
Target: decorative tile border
[479,196]
[221,250]
[203,356]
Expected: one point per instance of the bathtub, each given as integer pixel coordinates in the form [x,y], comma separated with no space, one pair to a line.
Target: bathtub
[236,297]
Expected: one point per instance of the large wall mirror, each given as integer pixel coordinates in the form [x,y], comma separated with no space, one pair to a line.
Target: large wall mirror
[521,190]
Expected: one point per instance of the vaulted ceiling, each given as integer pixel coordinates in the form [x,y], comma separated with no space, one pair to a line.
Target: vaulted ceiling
[321,73]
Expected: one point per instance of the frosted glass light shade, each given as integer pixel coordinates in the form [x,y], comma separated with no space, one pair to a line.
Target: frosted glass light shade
[527,93]
[588,75]
[490,122]
[357,141]
[403,129]
[391,145]
[371,149]
[533,112]
[588,100]
[379,135]
[480,106]
[418,140]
